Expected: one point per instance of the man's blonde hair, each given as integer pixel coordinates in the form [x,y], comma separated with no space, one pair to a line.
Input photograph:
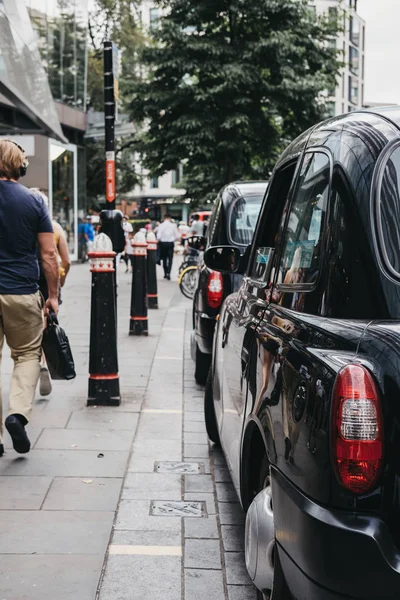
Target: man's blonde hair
[12,159]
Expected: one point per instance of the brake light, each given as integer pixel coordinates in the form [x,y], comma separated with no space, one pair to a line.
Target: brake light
[215,289]
[357,428]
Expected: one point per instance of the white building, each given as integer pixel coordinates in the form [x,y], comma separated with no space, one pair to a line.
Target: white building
[349,92]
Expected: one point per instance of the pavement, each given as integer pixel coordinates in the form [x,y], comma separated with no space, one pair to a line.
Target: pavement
[121,503]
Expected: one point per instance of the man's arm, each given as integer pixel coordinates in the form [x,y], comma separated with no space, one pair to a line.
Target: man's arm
[48,253]
[63,252]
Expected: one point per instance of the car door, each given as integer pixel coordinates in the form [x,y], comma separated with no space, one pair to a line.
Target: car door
[235,346]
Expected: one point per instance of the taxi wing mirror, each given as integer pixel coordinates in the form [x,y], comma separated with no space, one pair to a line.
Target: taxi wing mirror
[225,259]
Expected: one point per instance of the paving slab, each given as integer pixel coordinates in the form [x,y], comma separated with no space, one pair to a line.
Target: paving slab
[54,532]
[59,463]
[242,592]
[148,486]
[147,538]
[201,584]
[85,439]
[199,483]
[202,528]
[236,572]
[202,554]
[23,493]
[139,577]
[135,515]
[233,538]
[102,419]
[59,577]
[97,494]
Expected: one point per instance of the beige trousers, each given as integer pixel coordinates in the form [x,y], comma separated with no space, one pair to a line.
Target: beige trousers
[21,323]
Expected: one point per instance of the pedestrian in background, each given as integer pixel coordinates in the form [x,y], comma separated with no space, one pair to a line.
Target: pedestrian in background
[167,234]
[24,223]
[89,233]
[197,226]
[64,262]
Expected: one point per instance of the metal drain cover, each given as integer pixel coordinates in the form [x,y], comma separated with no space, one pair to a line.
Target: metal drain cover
[178,508]
[179,467]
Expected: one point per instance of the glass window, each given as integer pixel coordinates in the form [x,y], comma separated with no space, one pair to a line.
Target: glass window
[154,183]
[353,90]
[389,213]
[301,254]
[355,31]
[354,60]
[243,219]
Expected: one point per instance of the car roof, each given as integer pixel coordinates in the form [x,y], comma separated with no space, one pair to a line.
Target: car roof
[245,188]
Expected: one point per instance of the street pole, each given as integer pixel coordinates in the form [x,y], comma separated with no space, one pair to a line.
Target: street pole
[109,124]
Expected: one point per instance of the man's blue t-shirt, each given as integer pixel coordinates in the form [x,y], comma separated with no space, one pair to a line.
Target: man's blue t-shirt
[89,230]
[23,215]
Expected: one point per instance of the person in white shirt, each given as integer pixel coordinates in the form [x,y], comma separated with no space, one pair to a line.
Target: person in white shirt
[167,234]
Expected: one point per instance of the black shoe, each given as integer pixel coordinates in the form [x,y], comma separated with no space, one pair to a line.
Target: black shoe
[169,277]
[165,276]
[15,425]
[1,450]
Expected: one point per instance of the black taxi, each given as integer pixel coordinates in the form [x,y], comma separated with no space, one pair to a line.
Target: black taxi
[304,390]
[233,221]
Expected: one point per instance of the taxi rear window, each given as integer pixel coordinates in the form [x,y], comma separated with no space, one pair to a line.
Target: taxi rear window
[243,219]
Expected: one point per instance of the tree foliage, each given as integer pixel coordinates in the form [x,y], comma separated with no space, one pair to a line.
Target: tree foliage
[229,83]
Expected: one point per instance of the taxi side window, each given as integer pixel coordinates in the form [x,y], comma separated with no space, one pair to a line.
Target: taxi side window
[302,243]
[270,220]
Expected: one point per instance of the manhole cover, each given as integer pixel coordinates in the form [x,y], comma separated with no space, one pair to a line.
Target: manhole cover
[179,508]
[178,467]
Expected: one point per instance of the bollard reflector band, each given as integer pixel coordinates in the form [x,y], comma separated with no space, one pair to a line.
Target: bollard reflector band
[152,295]
[113,376]
[138,318]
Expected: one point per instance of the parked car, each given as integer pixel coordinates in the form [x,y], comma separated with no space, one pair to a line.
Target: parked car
[304,389]
[232,221]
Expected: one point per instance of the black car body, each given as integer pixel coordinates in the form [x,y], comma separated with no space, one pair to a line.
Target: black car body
[305,387]
[232,222]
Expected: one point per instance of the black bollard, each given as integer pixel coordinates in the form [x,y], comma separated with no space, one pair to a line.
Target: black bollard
[152,292]
[138,323]
[103,356]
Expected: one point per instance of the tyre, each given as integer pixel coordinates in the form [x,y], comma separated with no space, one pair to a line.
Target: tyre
[280,590]
[209,411]
[187,282]
[203,363]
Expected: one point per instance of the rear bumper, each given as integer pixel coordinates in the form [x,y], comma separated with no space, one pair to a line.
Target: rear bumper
[332,555]
[205,332]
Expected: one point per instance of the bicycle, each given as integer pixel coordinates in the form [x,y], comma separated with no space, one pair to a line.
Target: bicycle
[187,281]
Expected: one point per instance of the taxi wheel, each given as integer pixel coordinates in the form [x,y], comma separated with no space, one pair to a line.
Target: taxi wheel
[280,590]
[203,362]
[209,411]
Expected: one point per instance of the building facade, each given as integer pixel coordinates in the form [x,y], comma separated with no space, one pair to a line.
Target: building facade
[349,92]
[43,73]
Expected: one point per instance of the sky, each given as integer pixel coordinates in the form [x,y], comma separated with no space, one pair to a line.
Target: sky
[382,51]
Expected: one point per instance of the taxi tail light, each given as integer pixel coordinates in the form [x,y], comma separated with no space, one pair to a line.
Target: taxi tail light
[215,289]
[357,429]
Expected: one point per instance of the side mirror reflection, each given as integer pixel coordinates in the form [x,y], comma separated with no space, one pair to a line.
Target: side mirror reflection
[225,259]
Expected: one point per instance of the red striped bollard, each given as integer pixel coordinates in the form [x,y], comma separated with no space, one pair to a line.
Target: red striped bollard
[139,323]
[152,292]
[103,355]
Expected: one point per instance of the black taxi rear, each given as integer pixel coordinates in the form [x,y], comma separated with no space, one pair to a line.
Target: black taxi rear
[305,388]
[233,221]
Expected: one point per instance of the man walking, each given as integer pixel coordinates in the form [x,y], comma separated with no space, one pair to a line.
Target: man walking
[167,234]
[24,222]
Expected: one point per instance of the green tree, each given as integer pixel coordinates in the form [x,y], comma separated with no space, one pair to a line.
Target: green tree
[229,83]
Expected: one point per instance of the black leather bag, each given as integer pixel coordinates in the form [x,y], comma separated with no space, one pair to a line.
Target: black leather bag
[57,350]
